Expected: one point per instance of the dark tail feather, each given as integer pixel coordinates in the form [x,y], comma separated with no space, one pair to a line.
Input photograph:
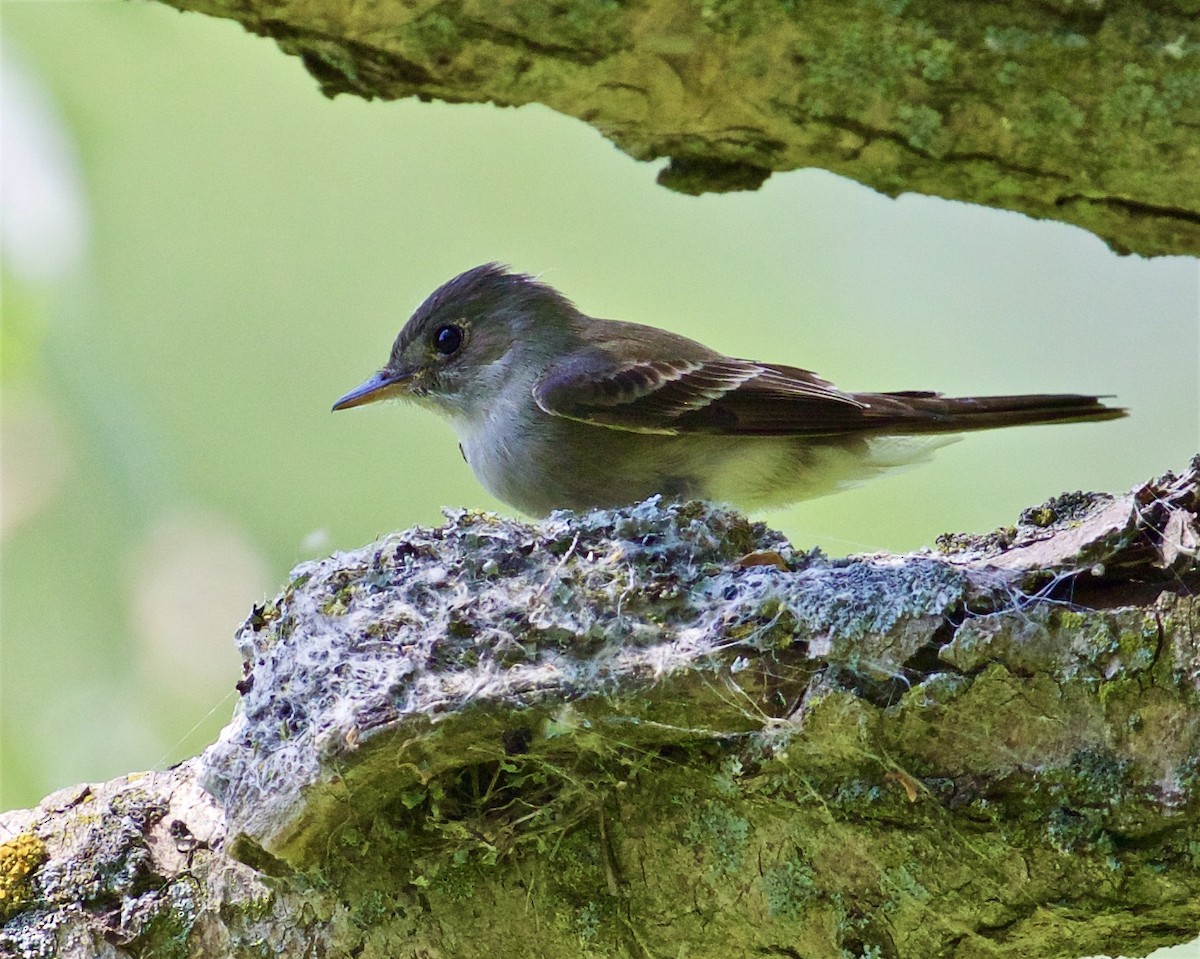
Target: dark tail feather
[934,413]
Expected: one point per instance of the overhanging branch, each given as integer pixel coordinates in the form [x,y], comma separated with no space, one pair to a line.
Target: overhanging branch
[1087,113]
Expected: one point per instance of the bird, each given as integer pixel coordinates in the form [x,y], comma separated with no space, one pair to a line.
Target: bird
[555,409]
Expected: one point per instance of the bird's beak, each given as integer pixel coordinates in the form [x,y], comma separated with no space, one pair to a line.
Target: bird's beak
[383,384]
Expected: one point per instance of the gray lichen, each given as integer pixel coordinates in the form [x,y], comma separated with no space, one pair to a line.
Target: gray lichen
[488,613]
[634,731]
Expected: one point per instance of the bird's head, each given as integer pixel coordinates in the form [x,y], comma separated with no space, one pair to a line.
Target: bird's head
[463,343]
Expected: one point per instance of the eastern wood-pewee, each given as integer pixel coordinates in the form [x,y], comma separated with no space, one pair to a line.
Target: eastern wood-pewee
[556,409]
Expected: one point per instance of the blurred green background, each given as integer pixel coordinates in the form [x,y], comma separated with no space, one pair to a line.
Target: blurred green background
[200,253]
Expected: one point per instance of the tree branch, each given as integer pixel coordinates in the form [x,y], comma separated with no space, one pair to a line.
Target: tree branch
[663,729]
[1085,113]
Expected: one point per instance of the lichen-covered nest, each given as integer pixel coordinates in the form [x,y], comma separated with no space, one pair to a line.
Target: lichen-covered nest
[660,730]
[677,727]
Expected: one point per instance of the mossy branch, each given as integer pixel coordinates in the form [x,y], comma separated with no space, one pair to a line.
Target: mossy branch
[662,730]
[1087,113]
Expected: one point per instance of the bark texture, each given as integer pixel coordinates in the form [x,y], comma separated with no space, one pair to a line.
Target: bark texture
[662,730]
[1085,112]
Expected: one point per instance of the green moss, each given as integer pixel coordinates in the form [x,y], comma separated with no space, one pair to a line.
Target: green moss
[437,35]
[1138,647]
[1069,620]
[370,909]
[459,880]
[1010,73]
[352,838]
[260,906]
[1040,516]
[1122,692]
[590,28]
[337,603]
[330,62]
[262,616]
[999,539]
[1056,110]
[166,931]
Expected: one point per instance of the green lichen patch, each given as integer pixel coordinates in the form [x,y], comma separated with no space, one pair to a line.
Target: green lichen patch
[790,889]
[721,833]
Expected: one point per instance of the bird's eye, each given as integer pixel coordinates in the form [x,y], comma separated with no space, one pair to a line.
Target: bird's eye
[448,340]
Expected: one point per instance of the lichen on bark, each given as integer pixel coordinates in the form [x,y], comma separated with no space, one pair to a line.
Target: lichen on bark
[658,728]
[1081,112]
